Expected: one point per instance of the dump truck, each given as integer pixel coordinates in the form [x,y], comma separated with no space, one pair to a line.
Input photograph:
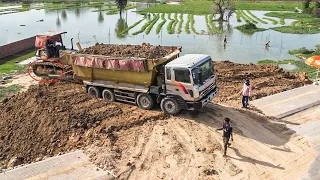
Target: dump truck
[175,82]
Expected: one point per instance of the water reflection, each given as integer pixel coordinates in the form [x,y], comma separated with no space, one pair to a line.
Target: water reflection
[100,16]
[77,12]
[58,22]
[64,15]
[121,25]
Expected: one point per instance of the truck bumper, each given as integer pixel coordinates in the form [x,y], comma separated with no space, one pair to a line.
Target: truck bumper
[205,100]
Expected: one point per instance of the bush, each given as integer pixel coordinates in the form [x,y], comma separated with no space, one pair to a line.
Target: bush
[316,12]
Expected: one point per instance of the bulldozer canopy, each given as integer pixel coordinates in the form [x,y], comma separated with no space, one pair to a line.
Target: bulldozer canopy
[53,35]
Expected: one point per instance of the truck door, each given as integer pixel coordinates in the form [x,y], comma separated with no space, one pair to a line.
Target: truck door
[179,83]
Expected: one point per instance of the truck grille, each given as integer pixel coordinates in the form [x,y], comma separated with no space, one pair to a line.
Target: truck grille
[207,90]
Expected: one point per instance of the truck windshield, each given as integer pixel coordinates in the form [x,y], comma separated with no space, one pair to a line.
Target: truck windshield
[206,70]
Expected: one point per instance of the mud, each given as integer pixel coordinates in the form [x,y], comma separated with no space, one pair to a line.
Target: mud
[136,144]
[140,51]
[265,80]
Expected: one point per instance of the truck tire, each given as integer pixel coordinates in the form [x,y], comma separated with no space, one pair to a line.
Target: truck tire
[170,106]
[145,101]
[94,92]
[108,95]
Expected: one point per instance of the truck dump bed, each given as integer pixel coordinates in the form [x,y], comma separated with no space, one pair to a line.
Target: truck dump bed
[134,64]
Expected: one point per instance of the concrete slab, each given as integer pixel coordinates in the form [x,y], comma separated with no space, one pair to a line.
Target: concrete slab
[289,102]
[74,165]
[307,123]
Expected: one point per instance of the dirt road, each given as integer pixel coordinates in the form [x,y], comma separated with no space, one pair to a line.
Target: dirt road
[189,147]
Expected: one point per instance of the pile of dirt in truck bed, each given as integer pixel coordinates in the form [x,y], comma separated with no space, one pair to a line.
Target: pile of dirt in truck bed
[49,120]
[140,51]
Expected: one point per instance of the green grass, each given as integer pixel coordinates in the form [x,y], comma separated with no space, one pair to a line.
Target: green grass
[255,17]
[306,53]
[268,6]
[301,66]
[249,28]
[133,25]
[169,27]
[243,17]
[187,7]
[157,16]
[160,25]
[192,25]
[297,29]
[116,10]
[305,24]
[238,16]
[210,30]
[282,22]
[289,15]
[6,91]
[201,7]
[248,17]
[8,64]
[180,24]
[214,28]
[187,25]
[274,22]
[175,17]
[144,27]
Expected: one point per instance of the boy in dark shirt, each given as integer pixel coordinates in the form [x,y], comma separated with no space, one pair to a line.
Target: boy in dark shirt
[227,133]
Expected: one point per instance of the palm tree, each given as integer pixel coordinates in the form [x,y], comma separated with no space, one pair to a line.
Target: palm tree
[121,5]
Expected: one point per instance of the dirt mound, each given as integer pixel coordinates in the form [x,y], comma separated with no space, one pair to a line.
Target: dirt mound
[45,121]
[265,79]
[140,51]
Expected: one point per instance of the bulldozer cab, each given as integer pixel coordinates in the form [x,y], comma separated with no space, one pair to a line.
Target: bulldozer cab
[49,44]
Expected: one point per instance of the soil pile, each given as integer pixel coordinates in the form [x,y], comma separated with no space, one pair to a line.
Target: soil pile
[140,51]
[48,120]
[265,80]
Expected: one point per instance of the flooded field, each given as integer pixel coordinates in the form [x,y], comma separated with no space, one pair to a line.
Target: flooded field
[90,27]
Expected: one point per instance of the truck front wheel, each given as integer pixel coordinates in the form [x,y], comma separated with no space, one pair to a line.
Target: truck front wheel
[145,101]
[108,95]
[94,92]
[170,106]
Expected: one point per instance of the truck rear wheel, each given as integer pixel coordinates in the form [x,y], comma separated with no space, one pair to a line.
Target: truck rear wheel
[170,106]
[108,95]
[145,101]
[94,92]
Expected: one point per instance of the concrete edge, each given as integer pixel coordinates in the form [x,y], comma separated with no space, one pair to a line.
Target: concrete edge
[289,113]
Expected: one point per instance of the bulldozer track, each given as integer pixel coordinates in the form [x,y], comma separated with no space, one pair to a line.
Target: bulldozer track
[66,70]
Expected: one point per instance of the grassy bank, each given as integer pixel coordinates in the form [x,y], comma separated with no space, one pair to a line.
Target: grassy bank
[203,7]
[305,53]
[249,28]
[9,65]
[305,24]
[301,66]
[9,90]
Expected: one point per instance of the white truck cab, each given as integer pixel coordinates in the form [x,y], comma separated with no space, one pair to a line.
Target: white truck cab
[190,82]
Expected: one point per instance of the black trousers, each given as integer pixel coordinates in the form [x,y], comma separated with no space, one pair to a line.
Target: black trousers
[225,144]
[245,100]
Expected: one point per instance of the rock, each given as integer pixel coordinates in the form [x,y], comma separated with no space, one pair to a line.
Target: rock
[2,82]
[15,161]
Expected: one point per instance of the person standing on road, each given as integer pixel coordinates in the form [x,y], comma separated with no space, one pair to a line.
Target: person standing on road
[246,91]
[227,133]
